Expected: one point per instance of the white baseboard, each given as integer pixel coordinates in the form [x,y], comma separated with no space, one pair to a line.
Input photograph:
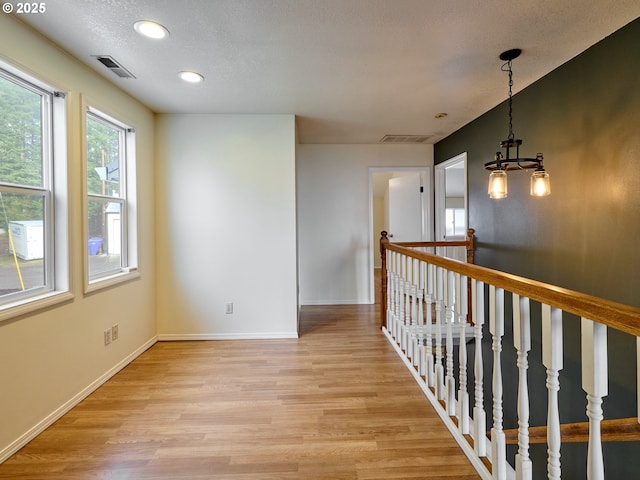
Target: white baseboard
[41,426]
[174,337]
[337,302]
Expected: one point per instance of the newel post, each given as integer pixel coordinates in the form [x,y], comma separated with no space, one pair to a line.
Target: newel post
[470,244]
[470,249]
[384,240]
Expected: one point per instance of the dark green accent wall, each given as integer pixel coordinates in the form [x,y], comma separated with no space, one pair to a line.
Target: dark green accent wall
[585,117]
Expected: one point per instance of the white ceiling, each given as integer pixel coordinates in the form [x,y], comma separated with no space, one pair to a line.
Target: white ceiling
[350,70]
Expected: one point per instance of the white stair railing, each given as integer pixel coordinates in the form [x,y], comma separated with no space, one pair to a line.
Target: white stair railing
[432,303]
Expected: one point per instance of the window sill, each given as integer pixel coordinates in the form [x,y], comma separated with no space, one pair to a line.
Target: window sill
[33,304]
[125,275]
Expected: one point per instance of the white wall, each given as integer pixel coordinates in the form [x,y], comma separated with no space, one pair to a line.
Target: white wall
[226,228]
[379,224]
[334,237]
[54,356]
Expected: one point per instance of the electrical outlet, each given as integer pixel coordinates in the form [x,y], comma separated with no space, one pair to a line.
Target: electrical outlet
[107,337]
[114,332]
[229,307]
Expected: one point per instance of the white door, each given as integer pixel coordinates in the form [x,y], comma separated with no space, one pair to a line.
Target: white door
[406,218]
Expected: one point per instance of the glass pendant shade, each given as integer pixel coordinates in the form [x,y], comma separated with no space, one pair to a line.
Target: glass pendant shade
[498,184]
[540,184]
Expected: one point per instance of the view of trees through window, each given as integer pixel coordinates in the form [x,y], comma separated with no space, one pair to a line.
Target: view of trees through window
[22,187]
[105,151]
[32,130]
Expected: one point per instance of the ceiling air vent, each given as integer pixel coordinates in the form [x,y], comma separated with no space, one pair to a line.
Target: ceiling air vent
[405,138]
[111,63]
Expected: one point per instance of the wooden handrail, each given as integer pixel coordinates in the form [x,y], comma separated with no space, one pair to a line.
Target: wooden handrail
[468,243]
[614,430]
[616,315]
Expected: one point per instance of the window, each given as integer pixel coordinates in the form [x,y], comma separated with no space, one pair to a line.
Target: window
[455,224]
[33,217]
[110,230]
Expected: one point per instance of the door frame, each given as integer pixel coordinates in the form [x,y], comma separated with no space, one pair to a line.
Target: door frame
[440,189]
[427,213]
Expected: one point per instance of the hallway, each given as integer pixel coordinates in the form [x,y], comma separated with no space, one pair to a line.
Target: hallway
[335,404]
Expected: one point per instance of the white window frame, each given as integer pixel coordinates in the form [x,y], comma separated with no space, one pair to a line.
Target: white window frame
[455,212]
[55,189]
[128,200]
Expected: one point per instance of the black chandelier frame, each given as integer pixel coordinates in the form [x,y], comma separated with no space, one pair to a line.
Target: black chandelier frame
[507,162]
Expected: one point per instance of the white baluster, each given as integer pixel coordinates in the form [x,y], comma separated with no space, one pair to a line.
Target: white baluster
[399,304]
[391,314]
[414,312]
[429,326]
[409,309]
[450,314]
[479,414]
[420,338]
[406,337]
[401,297]
[439,369]
[463,394]
[552,360]
[522,343]
[395,286]
[595,384]
[496,327]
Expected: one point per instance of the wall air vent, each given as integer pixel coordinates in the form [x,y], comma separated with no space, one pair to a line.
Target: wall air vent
[405,138]
[113,65]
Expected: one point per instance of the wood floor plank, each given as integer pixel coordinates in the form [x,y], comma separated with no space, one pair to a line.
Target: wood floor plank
[337,404]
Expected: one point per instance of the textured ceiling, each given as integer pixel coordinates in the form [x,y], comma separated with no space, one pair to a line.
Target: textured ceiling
[350,70]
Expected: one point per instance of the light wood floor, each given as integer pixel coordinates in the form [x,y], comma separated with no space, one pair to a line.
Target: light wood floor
[335,404]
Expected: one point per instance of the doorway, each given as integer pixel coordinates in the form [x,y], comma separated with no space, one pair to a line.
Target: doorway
[451,208]
[407,215]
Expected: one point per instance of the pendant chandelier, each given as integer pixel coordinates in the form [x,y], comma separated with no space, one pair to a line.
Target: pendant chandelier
[503,163]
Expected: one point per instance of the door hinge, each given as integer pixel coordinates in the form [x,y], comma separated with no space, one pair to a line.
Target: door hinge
[421,189]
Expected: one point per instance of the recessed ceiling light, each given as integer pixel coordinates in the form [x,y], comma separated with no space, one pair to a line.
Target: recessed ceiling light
[151,29]
[191,77]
